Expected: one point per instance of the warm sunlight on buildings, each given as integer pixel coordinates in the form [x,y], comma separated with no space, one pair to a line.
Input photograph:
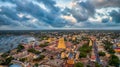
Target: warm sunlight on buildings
[90,43]
[61,44]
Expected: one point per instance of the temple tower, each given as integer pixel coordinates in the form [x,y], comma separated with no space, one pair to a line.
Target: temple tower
[90,43]
[61,44]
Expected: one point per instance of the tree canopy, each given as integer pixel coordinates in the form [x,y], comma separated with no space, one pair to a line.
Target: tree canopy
[84,50]
[79,64]
[34,51]
[101,53]
[114,61]
[108,47]
[20,47]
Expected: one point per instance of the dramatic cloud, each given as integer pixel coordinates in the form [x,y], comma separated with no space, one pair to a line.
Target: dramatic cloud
[115,16]
[59,14]
[105,3]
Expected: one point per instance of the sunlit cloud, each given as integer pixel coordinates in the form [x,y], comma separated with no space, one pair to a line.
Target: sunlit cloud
[70,18]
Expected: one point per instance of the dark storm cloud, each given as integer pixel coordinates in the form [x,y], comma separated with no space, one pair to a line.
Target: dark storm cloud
[12,13]
[51,14]
[81,11]
[115,16]
[5,21]
[9,12]
[66,11]
[92,5]
[52,17]
[88,6]
[87,9]
[105,20]
[8,16]
[105,3]
[50,4]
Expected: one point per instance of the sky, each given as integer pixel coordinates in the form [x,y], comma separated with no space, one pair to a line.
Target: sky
[59,14]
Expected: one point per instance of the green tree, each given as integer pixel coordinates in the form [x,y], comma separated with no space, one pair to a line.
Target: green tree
[85,48]
[101,53]
[1,61]
[36,65]
[108,47]
[44,45]
[83,55]
[34,51]
[20,47]
[22,59]
[4,55]
[7,60]
[97,65]
[111,51]
[88,65]
[114,61]
[79,64]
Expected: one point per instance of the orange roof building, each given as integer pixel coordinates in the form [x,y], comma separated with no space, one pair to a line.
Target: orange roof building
[117,49]
[70,63]
[118,45]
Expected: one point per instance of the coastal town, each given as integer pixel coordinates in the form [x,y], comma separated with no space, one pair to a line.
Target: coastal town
[65,49]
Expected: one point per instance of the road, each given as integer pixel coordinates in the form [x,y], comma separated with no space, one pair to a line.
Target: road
[96,52]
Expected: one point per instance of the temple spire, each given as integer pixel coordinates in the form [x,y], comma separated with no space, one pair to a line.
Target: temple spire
[61,44]
[90,43]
